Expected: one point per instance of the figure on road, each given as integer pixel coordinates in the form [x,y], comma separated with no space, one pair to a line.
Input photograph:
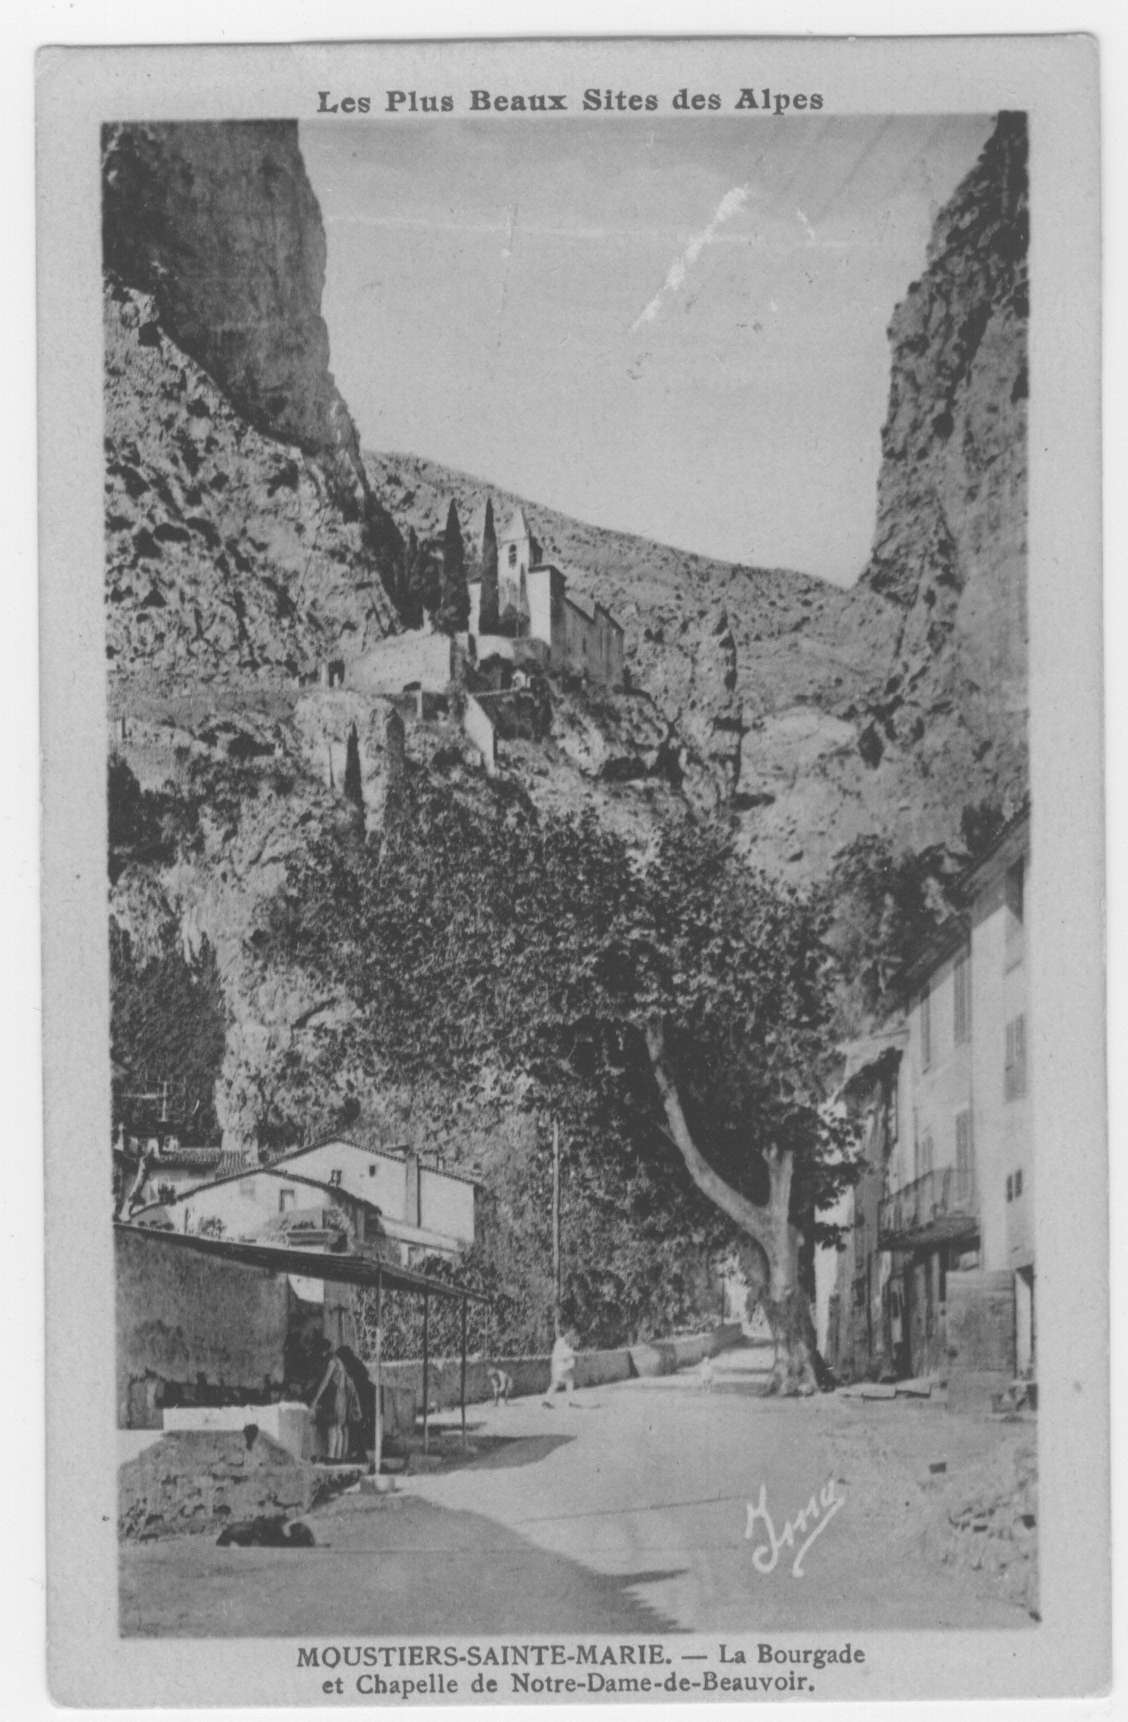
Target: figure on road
[336,1407]
[563,1369]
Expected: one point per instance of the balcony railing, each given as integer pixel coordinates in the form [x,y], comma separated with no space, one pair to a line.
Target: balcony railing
[938,1206]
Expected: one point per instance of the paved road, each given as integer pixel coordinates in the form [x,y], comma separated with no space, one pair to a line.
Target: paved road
[625,1513]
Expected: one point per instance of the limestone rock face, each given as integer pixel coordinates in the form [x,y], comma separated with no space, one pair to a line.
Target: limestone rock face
[949,550]
[214,252]
[226,549]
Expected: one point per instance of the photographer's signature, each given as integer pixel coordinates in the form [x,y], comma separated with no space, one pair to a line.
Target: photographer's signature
[809,1522]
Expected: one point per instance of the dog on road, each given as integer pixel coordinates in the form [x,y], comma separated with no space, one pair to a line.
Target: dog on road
[501,1383]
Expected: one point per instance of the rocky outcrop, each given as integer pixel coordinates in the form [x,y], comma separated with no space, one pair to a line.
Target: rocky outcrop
[949,551]
[217,226]
[227,550]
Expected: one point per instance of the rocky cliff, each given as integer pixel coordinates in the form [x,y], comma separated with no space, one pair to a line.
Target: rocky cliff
[244,546]
[949,552]
[237,501]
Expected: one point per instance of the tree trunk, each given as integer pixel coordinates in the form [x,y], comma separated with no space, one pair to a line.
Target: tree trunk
[786,1307]
[770,1227]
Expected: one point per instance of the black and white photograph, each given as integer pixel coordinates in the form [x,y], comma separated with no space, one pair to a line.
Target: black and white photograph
[567,1150]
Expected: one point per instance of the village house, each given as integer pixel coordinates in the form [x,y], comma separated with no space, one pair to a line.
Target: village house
[159,1166]
[333,1194]
[939,1280]
[863,1331]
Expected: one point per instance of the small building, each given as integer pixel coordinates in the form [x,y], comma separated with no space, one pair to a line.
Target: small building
[943,1273]
[580,636]
[331,1194]
[160,1167]
[864,1334]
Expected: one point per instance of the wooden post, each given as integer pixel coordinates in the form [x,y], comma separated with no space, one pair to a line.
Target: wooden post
[378,1349]
[462,1377]
[426,1366]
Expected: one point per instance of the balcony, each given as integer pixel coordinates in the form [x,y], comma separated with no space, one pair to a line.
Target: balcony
[936,1208]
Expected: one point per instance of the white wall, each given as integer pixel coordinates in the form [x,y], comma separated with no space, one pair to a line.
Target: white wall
[930,1095]
[372,1177]
[417,656]
[480,730]
[1003,1147]
[539,585]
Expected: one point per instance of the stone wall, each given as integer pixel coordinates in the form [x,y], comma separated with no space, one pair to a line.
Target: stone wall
[182,1316]
[531,1374]
[980,1337]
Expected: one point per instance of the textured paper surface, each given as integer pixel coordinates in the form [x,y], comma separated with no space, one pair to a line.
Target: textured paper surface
[1054,81]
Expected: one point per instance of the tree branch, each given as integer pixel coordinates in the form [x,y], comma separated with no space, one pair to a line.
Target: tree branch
[753,1220]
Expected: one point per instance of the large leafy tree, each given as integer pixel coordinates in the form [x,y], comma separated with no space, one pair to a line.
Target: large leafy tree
[673,1014]
[167,1026]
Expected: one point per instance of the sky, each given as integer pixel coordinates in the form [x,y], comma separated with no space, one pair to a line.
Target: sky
[672,325]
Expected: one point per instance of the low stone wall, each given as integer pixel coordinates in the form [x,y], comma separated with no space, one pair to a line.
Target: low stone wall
[201,1480]
[531,1375]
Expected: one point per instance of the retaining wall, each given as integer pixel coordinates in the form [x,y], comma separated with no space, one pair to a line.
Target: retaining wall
[531,1375]
[390,666]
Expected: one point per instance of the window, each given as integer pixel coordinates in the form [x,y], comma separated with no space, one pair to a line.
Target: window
[926,1028]
[965,1164]
[286,1200]
[335,1178]
[924,1154]
[1018,1183]
[1010,1187]
[372,1168]
[1014,1066]
[961,988]
[513,556]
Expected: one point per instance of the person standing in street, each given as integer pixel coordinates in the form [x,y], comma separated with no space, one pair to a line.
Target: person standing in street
[563,1369]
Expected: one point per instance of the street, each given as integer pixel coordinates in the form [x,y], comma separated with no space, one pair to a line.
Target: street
[624,1513]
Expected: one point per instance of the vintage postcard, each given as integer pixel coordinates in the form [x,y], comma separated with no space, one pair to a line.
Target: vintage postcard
[573,872]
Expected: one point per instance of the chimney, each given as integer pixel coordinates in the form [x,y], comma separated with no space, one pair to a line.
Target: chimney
[411,1188]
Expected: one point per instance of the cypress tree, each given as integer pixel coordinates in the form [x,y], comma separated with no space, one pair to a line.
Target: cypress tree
[454,601]
[488,614]
[354,789]
[411,608]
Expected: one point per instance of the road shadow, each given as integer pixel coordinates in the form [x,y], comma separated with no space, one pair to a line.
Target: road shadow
[413,1570]
[502,1452]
